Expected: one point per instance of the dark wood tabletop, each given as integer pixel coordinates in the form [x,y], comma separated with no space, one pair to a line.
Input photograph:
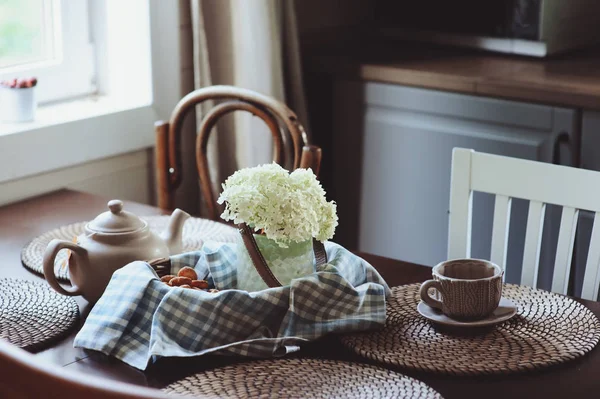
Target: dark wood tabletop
[22,221]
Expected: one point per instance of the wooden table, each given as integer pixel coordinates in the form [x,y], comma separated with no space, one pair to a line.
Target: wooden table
[22,221]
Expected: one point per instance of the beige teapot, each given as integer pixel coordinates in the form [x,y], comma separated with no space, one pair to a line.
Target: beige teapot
[112,240]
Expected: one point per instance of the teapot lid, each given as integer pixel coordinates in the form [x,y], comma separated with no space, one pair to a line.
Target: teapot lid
[116,220]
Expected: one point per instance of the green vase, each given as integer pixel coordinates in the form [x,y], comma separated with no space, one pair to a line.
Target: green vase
[285,263]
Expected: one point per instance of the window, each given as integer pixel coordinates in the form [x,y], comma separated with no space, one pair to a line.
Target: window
[48,39]
[137,75]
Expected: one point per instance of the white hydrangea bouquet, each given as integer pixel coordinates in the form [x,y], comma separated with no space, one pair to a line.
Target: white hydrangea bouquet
[288,210]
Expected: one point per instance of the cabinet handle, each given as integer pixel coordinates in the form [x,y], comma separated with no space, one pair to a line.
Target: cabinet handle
[561,138]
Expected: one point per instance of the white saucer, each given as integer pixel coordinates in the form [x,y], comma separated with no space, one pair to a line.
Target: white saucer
[506,309]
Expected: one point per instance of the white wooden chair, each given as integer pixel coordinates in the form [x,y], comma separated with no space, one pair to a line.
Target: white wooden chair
[541,184]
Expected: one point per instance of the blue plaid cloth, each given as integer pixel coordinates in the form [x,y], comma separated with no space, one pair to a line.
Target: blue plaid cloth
[139,319]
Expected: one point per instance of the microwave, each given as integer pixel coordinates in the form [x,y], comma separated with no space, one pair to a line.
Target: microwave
[529,27]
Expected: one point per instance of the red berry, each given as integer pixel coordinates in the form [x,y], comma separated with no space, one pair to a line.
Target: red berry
[22,84]
[33,81]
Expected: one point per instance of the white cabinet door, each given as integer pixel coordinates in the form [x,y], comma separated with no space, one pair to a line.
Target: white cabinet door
[406,136]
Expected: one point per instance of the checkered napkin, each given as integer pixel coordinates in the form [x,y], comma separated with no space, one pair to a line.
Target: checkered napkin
[139,318]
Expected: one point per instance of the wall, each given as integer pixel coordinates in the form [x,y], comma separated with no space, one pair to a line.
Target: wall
[332,23]
[127,177]
[319,15]
[324,25]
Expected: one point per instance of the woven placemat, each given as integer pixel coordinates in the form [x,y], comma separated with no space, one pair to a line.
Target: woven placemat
[548,329]
[195,232]
[302,378]
[33,315]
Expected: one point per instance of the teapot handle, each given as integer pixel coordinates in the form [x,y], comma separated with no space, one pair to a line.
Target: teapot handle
[49,257]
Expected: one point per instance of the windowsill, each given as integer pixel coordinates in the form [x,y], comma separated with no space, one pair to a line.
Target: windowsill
[74,132]
[69,111]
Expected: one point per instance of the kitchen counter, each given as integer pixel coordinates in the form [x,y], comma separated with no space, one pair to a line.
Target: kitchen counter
[571,80]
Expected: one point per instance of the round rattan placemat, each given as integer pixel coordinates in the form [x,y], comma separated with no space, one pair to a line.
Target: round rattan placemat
[302,378]
[548,329]
[33,315]
[195,232]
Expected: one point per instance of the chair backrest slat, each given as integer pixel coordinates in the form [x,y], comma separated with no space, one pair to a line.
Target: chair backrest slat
[591,277]
[533,243]
[564,250]
[500,230]
[311,158]
[461,202]
[540,183]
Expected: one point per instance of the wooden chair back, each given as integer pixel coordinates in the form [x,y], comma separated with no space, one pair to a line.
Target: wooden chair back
[24,376]
[281,121]
[540,183]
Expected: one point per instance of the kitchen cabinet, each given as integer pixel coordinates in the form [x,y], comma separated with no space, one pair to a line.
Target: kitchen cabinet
[590,143]
[392,158]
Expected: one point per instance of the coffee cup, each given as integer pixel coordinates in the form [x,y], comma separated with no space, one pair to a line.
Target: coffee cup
[470,289]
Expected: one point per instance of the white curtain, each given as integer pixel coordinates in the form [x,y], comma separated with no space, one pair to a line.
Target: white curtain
[251,44]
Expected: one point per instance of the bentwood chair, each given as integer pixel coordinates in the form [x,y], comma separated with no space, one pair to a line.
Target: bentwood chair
[540,183]
[281,121]
[24,376]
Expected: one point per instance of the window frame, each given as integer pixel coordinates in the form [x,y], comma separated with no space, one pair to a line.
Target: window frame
[70,71]
[81,131]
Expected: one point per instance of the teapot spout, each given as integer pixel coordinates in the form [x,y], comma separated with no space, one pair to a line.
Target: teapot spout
[173,235]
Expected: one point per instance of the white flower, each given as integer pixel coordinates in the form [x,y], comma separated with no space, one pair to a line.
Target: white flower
[286,206]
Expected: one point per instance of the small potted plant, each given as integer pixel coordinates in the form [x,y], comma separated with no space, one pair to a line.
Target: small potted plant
[286,211]
[18,100]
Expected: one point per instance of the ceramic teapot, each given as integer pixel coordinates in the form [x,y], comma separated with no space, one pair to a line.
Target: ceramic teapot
[112,240]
